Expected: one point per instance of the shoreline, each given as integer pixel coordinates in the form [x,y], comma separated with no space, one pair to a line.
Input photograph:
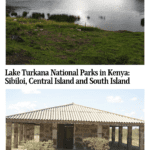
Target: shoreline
[11,9]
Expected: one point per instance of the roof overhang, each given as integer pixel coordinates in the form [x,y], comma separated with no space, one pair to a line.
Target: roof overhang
[73,122]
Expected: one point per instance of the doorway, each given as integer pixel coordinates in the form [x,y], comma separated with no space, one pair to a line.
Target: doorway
[65,136]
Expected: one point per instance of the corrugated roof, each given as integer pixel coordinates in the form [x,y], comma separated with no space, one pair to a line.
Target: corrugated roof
[74,112]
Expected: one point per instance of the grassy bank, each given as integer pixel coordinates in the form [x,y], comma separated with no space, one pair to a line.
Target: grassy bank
[40,41]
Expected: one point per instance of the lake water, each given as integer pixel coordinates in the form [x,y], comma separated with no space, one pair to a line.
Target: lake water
[106,14]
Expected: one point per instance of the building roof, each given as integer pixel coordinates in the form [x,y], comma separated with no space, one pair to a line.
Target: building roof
[74,112]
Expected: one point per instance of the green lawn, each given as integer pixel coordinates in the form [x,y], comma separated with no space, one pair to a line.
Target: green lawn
[51,42]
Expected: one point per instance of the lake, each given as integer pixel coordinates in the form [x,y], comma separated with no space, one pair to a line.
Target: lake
[110,15]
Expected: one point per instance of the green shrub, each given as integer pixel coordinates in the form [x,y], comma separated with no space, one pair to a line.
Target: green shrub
[14,14]
[39,25]
[63,18]
[89,29]
[96,143]
[33,145]
[38,15]
[24,14]
[7,14]
[142,22]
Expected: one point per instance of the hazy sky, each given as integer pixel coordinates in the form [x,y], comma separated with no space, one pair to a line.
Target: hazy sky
[124,102]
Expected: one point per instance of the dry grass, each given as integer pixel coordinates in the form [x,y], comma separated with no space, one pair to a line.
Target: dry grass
[135,136]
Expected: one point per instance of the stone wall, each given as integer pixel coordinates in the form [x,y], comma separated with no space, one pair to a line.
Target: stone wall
[82,131]
[45,132]
[105,132]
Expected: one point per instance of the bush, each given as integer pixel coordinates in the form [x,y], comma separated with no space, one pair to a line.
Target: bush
[39,25]
[24,14]
[14,14]
[96,143]
[142,22]
[33,145]
[63,18]
[7,14]
[38,15]
[89,29]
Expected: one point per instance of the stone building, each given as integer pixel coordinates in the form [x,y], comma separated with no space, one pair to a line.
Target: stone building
[67,125]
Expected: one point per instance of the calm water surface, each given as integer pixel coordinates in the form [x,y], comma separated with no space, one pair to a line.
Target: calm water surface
[106,14]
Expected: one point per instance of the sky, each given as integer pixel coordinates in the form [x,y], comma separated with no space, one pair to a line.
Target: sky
[125,102]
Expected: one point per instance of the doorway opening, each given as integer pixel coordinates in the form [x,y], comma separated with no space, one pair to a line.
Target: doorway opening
[65,136]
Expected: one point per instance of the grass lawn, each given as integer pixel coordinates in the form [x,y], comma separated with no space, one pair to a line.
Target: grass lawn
[50,42]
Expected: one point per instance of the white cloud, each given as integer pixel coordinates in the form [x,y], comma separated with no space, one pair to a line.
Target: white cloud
[130,114]
[29,91]
[22,106]
[45,105]
[133,99]
[112,99]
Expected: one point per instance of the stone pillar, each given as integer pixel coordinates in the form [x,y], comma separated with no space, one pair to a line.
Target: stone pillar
[113,135]
[31,136]
[141,137]
[29,128]
[12,141]
[15,135]
[120,136]
[41,132]
[28,132]
[20,133]
[129,138]
[8,135]
[37,133]
[105,132]
[99,131]
[25,132]
[74,129]
[54,134]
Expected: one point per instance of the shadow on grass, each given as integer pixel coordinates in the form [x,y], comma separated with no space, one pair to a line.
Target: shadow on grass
[107,59]
[18,57]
